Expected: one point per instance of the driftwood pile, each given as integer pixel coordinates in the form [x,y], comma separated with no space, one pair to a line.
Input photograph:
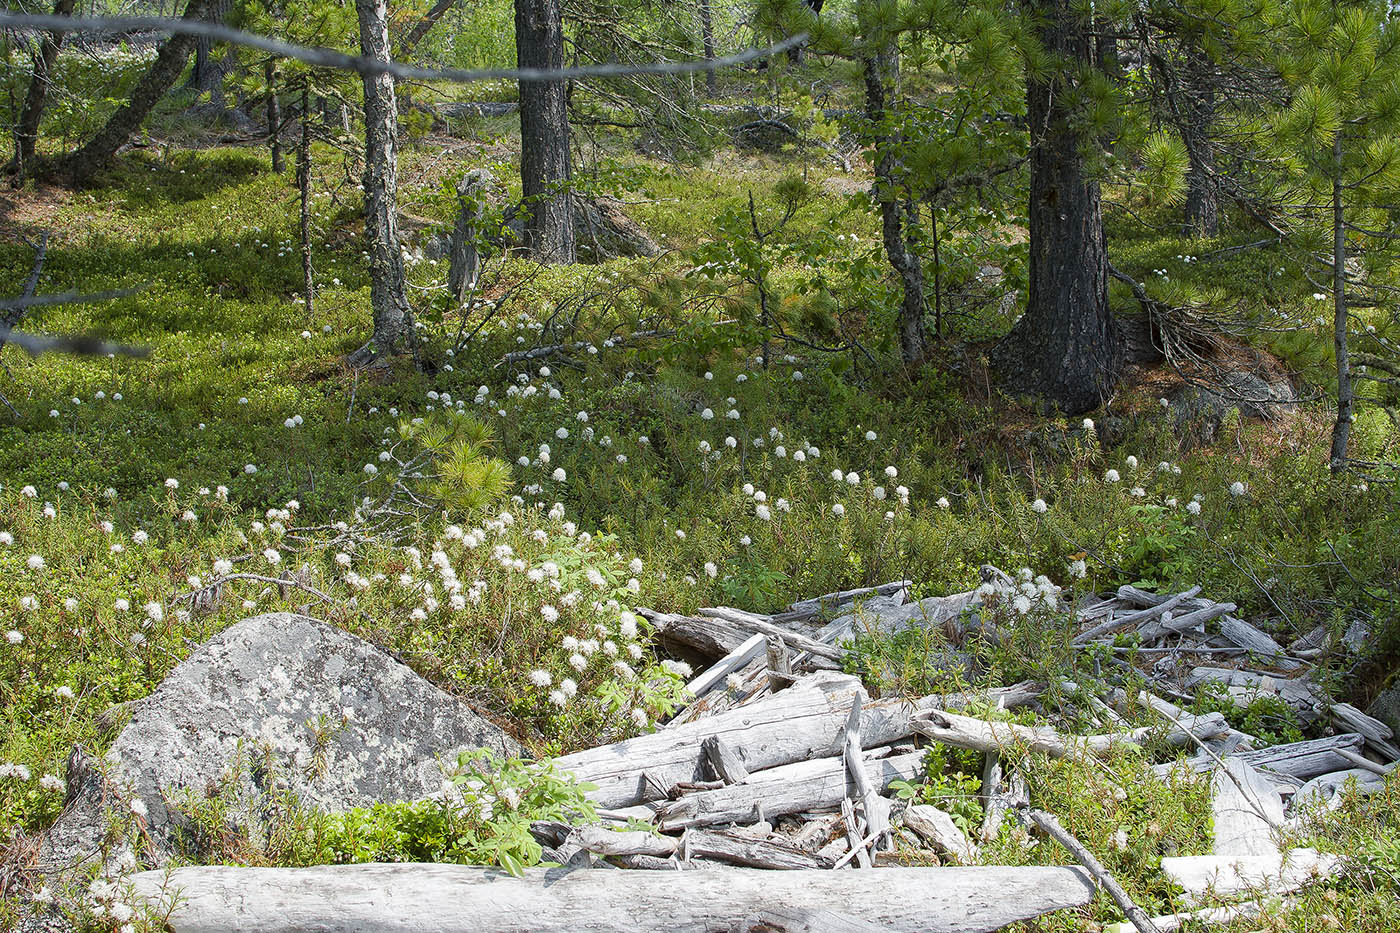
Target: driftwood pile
[738,813]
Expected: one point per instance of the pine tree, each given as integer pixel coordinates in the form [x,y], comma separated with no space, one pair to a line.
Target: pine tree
[1339,140]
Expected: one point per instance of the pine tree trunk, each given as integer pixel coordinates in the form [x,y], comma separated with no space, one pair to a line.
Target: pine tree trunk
[1341,429]
[880,64]
[1202,194]
[420,28]
[274,117]
[27,133]
[707,43]
[304,194]
[544,134]
[1065,348]
[392,321]
[97,153]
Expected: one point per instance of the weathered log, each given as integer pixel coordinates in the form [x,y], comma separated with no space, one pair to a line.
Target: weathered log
[715,674]
[753,853]
[988,736]
[1325,788]
[1004,792]
[796,724]
[1258,643]
[1173,713]
[1378,735]
[1134,619]
[1246,808]
[464,260]
[465,899]
[1207,916]
[757,623]
[1047,823]
[873,806]
[779,663]
[1300,760]
[1163,627]
[937,828]
[1245,686]
[806,608]
[1237,631]
[724,761]
[712,638]
[1205,876]
[806,786]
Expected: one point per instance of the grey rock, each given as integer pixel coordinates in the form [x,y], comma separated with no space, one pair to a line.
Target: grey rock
[1199,410]
[302,705]
[602,231]
[1386,707]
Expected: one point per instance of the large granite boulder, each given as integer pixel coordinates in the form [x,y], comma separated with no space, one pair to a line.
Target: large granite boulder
[276,703]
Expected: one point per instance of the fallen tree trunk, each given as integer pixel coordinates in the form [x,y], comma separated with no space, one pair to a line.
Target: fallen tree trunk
[1215,876]
[466,899]
[805,721]
[1300,760]
[988,736]
[807,786]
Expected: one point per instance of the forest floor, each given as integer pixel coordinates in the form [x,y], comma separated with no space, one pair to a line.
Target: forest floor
[688,471]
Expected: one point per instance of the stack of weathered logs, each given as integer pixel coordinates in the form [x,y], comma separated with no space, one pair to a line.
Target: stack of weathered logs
[782,762]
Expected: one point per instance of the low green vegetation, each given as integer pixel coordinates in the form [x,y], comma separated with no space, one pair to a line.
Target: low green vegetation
[496,521]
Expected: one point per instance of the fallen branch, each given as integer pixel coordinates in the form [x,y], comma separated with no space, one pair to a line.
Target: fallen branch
[1051,827]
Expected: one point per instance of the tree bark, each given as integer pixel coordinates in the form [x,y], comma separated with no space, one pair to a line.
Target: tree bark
[393,323]
[1065,348]
[1202,194]
[544,134]
[304,192]
[97,153]
[707,44]
[1341,428]
[27,133]
[421,28]
[274,117]
[880,63]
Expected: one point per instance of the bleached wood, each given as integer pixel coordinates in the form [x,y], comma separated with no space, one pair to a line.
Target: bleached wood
[1256,642]
[1134,619]
[737,849]
[1237,631]
[713,638]
[1208,916]
[715,674]
[804,721]
[762,624]
[1245,686]
[805,608]
[1325,787]
[1173,713]
[806,786]
[779,663]
[1378,735]
[1245,807]
[873,807]
[724,761]
[1161,628]
[986,736]
[1300,760]
[1047,823]
[410,898]
[937,827]
[1203,876]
